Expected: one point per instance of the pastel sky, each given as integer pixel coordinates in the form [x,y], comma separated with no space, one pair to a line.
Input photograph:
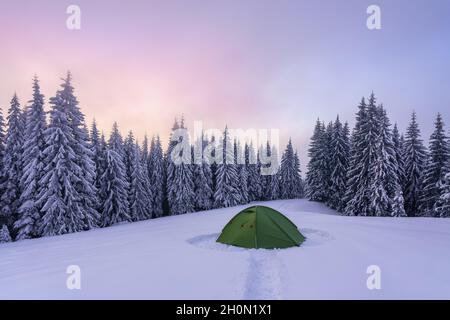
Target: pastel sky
[246,63]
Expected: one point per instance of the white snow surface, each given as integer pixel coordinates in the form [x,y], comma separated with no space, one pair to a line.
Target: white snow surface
[177,258]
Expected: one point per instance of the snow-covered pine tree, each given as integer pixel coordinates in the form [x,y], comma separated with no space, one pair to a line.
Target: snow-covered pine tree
[2,154]
[289,174]
[384,171]
[415,157]
[339,159]
[436,169]
[398,204]
[98,149]
[61,208]
[300,186]
[398,149]
[114,184]
[85,186]
[317,166]
[4,234]
[12,163]
[139,192]
[227,190]
[254,175]
[364,174]
[180,183]
[156,165]
[203,197]
[33,166]
[242,172]
[442,207]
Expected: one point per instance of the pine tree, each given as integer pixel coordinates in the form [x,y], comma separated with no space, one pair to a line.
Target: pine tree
[58,198]
[442,207]
[289,174]
[12,163]
[4,234]
[315,177]
[202,187]
[180,184]
[83,155]
[398,205]
[227,190]
[115,207]
[33,165]
[300,186]
[415,157]
[98,149]
[365,189]
[156,163]
[384,171]
[436,169]
[254,174]
[398,149]
[339,159]
[139,192]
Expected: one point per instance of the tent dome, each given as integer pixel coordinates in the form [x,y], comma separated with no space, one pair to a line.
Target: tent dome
[261,227]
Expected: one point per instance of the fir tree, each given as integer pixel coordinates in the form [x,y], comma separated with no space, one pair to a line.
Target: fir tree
[180,184]
[33,165]
[139,192]
[254,174]
[227,190]
[83,155]
[156,163]
[339,158]
[58,198]
[315,177]
[4,234]
[115,207]
[289,174]
[98,149]
[442,207]
[300,186]
[398,205]
[415,157]
[436,169]
[398,150]
[12,163]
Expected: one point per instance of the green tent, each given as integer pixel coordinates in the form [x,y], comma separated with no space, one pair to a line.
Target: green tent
[261,227]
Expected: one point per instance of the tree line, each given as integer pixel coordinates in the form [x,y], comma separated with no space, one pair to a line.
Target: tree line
[375,170]
[57,176]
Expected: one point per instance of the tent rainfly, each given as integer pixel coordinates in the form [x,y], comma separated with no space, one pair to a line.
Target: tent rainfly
[261,227]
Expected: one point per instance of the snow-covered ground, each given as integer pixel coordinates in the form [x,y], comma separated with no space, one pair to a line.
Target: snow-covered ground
[178,258]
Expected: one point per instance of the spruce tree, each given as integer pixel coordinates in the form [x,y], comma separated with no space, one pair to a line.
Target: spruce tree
[227,190]
[398,150]
[156,167]
[365,190]
[61,207]
[12,163]
[436,169]
[98,149]
[180,184]
[300,185]
[114,185]
[254,174]
[442,207]
[85,186]
[316,179]
[4,234]
[33,166]
[415,158]
[289,174]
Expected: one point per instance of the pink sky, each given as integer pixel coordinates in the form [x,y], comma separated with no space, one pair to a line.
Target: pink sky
[253,64]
